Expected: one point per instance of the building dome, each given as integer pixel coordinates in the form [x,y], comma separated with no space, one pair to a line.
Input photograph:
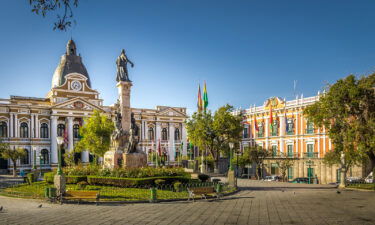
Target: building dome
[70,62]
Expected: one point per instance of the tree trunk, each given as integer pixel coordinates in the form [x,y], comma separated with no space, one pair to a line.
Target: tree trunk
[14,168]
[371,156]
[343,171]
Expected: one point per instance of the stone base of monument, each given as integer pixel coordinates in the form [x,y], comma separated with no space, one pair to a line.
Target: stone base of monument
[232,180]
[135,160]
[113,159]
[60,184]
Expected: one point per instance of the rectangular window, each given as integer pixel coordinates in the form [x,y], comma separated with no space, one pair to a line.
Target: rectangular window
[290,173]
[274,169]
[245,132]
[290,150]
[310,150]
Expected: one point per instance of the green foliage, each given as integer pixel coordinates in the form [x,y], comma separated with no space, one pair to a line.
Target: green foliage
[347,111]
[257,155]
[69,158]
[203,177]
[243,159]
[82,185]
[177,186]
[31,178]
[96,135]
[284,165]
[75,179]
[13,154]
[214,133]
[64,20]
[209,160]
[48,177]
[159,182]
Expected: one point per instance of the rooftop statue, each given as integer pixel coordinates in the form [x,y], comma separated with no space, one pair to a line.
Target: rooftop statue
[122,67]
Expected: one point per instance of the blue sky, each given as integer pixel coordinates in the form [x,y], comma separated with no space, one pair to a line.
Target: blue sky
[246,51]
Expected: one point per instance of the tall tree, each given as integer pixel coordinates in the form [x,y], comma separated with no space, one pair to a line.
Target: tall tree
[96,135]
[62,7]
[284,164]
[347,111]
[213,133]
[257,156]
[12,154]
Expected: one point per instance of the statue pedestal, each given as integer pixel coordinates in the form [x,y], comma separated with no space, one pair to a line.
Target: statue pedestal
[113,159]
[135,160]
[60,184]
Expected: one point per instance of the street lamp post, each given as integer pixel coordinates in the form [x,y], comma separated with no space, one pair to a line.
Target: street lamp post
[60,141]
[231,145]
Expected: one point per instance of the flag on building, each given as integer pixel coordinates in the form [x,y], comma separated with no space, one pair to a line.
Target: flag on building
[205,97]
[271,118]
[200,104]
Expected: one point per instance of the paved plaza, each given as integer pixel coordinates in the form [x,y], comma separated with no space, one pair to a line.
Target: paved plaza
[256,203]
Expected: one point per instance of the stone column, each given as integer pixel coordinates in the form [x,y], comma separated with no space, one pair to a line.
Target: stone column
[32,128]
[70,134]
[37,127]
[146,132]
[16,134]
[124,97]
[172,149]
[85,154]
[282,125]
[266,135]
[184,139]
[157,132]
[323,174]
[11,125]
[53,140]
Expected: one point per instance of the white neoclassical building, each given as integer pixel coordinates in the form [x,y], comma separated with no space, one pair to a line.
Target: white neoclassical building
[34,123]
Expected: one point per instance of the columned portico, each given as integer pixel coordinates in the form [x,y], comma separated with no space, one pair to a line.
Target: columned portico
[172,148]
[70,133]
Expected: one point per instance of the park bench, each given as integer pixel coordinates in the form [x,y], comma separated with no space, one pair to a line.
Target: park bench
[202,191]
[82,195]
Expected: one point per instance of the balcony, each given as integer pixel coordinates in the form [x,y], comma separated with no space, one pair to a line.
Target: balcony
[290,132]
[260,135]
[310,155]
[309,131]
[274,133]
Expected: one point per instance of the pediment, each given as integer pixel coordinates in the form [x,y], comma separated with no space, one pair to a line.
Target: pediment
[77,104]
[170,112]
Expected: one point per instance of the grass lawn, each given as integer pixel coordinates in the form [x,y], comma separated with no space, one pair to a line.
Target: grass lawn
[362,186]
[107,193]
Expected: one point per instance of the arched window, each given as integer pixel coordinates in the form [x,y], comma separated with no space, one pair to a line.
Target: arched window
[75,131]
[44,158]
[44,130]
[164,134]
[26,158]
[177,134]
[151,133]
[24,130]
[60,130]
[3,129]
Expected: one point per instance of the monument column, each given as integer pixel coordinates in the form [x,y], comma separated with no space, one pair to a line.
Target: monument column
[172,148]
[53,140]
[70,134]
[124,98]
[184,140]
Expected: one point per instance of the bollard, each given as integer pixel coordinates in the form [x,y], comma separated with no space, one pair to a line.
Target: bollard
[153,196]
[46,192]
[219,188]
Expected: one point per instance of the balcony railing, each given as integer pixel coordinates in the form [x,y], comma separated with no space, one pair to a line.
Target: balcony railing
[260,135]
[311,154]
[309,131]
[274,134]
[290,132]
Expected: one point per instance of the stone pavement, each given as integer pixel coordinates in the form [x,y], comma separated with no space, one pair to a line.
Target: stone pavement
[256,203]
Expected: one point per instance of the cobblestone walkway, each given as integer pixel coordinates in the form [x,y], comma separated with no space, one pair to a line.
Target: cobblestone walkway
[256,203]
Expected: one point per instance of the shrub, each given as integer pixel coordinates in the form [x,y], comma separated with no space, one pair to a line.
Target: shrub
[118,182]
[75,179]
[203,177]
[31,178]
[177,186]
[48,177]
[159,182]
[81,185]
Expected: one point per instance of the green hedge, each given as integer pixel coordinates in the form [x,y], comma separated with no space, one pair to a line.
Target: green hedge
[49,177]
[131,182]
